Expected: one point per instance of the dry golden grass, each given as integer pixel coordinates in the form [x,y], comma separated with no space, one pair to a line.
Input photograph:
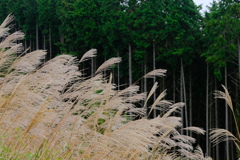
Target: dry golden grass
[219,135]
[51,111]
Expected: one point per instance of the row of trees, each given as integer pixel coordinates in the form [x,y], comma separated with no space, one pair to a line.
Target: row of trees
[199,52]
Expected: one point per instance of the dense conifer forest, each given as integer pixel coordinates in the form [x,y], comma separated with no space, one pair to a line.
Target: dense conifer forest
[200,51]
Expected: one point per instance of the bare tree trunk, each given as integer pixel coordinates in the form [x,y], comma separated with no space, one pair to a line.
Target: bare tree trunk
[181,96]
[190,100]
[62,42]
[231,148]
[30,44]
[130,64]
[207,114]
[174,94]
[174,86]
[216,119]
[226,117]
[92,72]
[104,72]
[210,110]
[130,69]
[113,76]
[154,78]
[44,45]
[239,58]
[25,44]
[50,43]
[118,72]
[145,79]
[44,42]
[142,86]
[37,44]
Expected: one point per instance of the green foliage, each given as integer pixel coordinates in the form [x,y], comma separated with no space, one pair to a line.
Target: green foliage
[221,33]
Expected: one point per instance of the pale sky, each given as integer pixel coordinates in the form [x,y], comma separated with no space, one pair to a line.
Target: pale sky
[204,3]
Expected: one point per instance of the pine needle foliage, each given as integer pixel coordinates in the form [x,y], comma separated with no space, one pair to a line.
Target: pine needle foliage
[52,111]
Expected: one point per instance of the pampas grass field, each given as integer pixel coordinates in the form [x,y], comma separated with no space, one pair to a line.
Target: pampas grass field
[51,110]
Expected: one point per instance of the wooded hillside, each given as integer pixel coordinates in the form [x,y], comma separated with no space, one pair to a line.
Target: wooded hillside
[199,52]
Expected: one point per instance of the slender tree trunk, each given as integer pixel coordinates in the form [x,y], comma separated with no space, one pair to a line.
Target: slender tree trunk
[207,114]
[34,45]
[92,72]
[130,64]
[174,93]
[44,45]
[30,44]
[104,72]
[226,117]
[190,100]
[44,42]
[239,59]
[25,44]
[181,96]
[18,28]
[50,43]
[145,79]
[113,76]
[142,85]
[62,42]
[216,119]
[210,111]
[174,86]
[95,64]
[231,147]
[154,78]
[118,71]
[37,44]
[142,80]
[130,69]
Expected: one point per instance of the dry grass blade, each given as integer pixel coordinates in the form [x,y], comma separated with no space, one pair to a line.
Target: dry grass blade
[163,94]
[198,154]
[14,49]
[108,64]
[4,28]
[195,129]
[184,138]
[133,89]
[136,98]
[156,73]
[225,96]
[29,62]
[173,108]
[219,135]
[90,54]
[155,86]
[7,21]
[11,39]
[8,45]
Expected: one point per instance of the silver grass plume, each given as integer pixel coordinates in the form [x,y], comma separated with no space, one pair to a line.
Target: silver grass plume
[220,135]
[156,73]
[195,129]
[90,54]
[85,117]
[108,64]
[5,26]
